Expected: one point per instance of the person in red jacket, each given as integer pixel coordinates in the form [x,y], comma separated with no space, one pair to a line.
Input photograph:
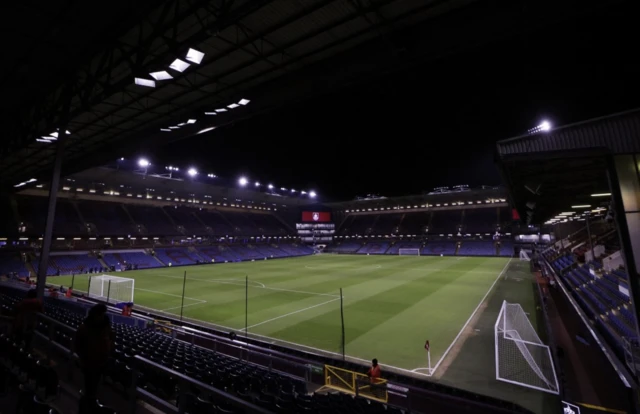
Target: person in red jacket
[374,371]
[94,343]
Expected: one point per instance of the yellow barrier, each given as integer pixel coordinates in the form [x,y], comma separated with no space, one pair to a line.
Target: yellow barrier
[355,383]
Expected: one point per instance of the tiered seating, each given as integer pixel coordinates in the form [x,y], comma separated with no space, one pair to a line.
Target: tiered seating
[359,224]
[447,248]
[403,245]
[414,223]
[563,262]
[506,248]
[268,250]
[247,252]
[51,269]
[74,263]
[296,249]
[387,223]
[139,259]
[345,247]
[33,213]
[186,217]
[480,220]
[477,248]
[67,222]
[377,247]
[216,222]
[268,225]
[109,218]
[241,223]
[218,254]
[445,222]
[10,263]
[154,219]
[176,256]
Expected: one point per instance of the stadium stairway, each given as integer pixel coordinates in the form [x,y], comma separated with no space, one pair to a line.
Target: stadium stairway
[102,262]
[158,260]
[198,254]
[457,249]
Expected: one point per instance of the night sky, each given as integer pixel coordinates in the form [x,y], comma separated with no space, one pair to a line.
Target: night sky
[435,124]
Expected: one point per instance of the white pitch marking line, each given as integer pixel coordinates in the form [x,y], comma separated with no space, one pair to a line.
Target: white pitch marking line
[289,314]
[469,320]
[171,294]
[265,287]
[185,306]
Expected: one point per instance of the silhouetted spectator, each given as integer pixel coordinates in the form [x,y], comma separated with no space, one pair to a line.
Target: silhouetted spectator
[26,318]
[93,343]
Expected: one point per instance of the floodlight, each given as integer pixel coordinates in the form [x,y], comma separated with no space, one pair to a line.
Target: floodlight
[182,124]
[54,134]
[257,184]
[143,162]
[145,82]
[545,126]
[174,127]
[303,192]
[165,129]
[293,191]
[161,75]
[270,186]
[221,110]
[601,195]
[191,121]
[312,194]
[179,65]
[211,113]
[49,138]
[194,56]
[283,189]
[192,172]
[582,206]
[43,140]
[233,106]
[202,131]
[243,181]
[243,101]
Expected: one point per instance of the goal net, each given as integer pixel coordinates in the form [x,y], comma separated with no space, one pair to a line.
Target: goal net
[524,255]
[521,357]
[409,252]
[113,289]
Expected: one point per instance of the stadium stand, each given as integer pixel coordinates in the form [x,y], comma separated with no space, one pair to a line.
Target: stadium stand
[387,224]
[480,220]
[447,248]
[140,260]
[107,218]
[414,223]
[395,247]
[374,247]
[445,222]
[477,248]
[344,247]
[187,219]
[176,256]
[12,263]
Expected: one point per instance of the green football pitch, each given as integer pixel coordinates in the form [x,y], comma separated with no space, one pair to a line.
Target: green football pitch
[391,305]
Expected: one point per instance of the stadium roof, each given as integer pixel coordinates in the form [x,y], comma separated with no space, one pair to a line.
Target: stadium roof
[75,65]
[549,173]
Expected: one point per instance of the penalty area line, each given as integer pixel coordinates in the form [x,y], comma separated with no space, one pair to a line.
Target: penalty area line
[470,318]
[289,314]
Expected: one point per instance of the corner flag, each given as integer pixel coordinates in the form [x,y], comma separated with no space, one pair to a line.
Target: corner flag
[426,345]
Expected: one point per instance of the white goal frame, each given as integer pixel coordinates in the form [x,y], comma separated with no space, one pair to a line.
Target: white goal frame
[521,357]
[524,256]
[401,250]
[111,287]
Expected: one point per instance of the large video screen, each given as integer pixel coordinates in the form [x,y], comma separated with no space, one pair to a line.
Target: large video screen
[316,216]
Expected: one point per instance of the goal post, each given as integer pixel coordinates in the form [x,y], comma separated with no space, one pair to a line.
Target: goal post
[524,255]
[521,357]
[114,289]
[409,252]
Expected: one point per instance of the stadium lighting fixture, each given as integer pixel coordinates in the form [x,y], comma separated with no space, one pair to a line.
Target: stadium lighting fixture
[221,110]
[243,101]
[243,181]
[145,82]
[545,126]
[211,113]
[211,175]
[257,184]
[601,195]
[143,162]
[202,131]
[182,124]
[194,56]
[179,65]
[312,194]
[303,192]
[165,129]
[49,138]
[174,127]
[582,206]
[192,172]
[270,186]
[233,106]
[161,75]
[191,121]
[293,191]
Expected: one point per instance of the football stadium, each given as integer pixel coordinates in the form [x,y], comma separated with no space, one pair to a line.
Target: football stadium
[141,273]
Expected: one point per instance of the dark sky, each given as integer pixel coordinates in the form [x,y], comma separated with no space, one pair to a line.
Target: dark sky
[436,124]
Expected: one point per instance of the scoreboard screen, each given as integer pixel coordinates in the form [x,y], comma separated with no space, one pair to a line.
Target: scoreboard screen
[316,216]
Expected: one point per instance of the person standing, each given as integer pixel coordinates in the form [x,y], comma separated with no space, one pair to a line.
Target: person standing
[27,318]
[93,343]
